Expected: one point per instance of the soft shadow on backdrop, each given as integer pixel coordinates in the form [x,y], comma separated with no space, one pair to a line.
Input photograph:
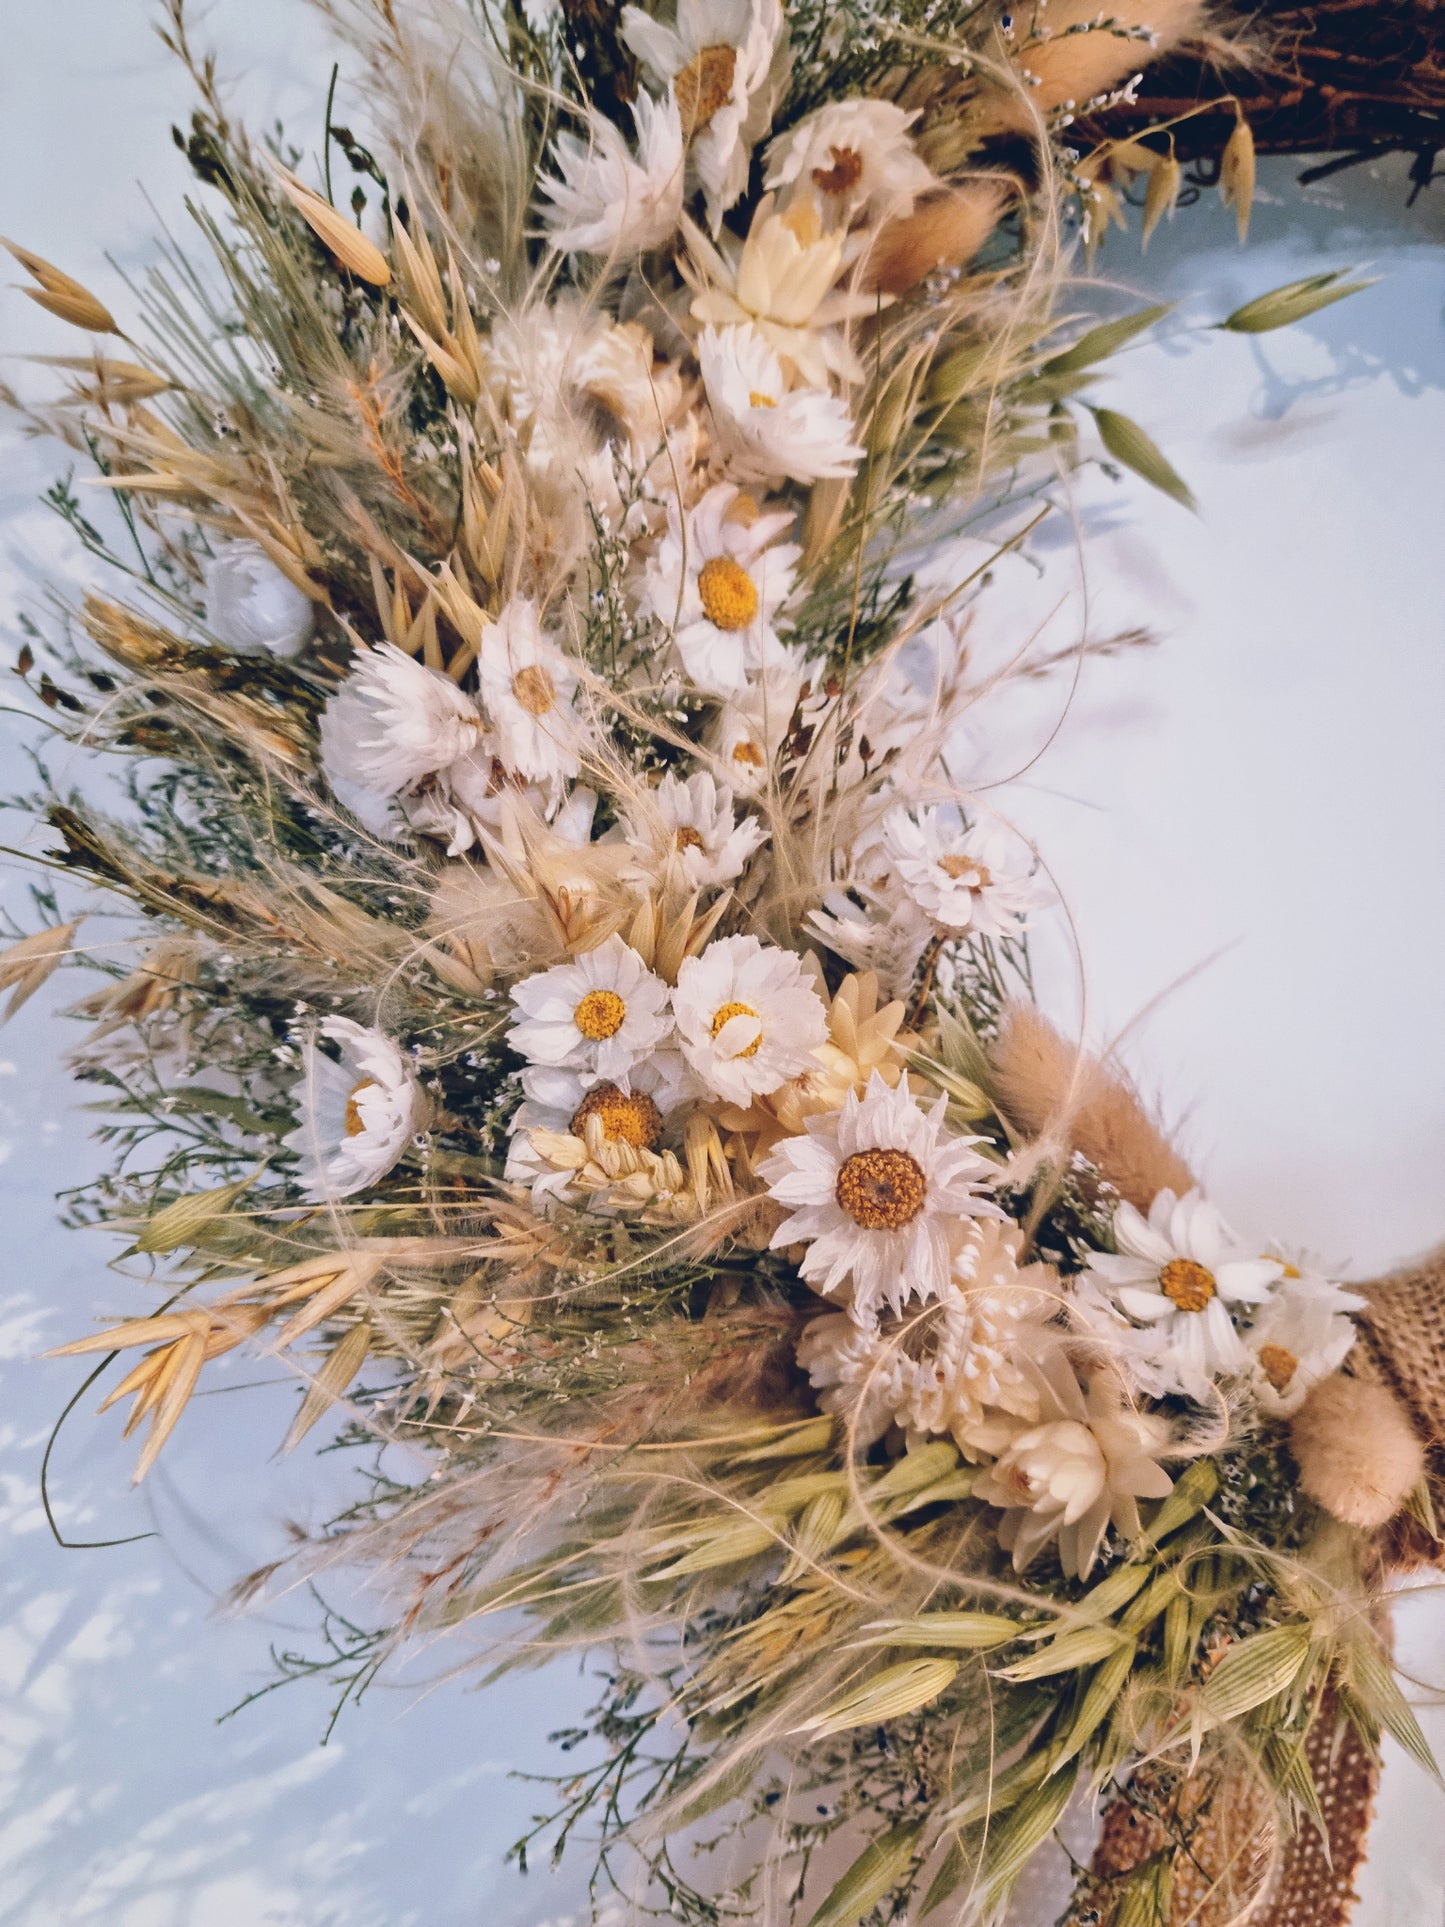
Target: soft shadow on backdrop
[1246,824]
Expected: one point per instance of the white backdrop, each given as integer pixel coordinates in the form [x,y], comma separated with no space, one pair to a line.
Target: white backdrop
[1264,790]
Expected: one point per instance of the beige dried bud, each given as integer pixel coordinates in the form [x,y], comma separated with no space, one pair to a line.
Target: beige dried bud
[1236,174]
[60,294]
[346,241]
[1357,1452]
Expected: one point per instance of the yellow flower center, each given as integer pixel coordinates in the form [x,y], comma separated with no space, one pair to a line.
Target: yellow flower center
[1186,1284]
[534,689]
[599,1014]
[1278,1365]
[355,1122]
[757,399]
[844,174]
[729,598]
[725,1014]
[1290,1271]
[687,838]
[703,86]
[748,752]
[633,1119]
[962,866]
[881,1190]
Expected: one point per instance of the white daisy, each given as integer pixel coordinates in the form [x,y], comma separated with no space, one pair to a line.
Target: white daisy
[747,1018]
[601,1014]
[1179,1271]
[690,831]
[727,61]
[858,158]
[935,1371]
[604,201]
[528,689]
[716,584]
[749,730]
[1082,1466]
[253,606]
[393,723]
[880,1196]
[963,879]
[1301,1335]
[358,1115]
[765,429]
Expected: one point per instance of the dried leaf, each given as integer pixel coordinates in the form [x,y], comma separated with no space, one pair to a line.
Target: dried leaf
[1014,1843]
[181,1222]
[1236,174]
[1099,1700]
[1193,1489]
[1127,443]
[886,1696]
[871,1878]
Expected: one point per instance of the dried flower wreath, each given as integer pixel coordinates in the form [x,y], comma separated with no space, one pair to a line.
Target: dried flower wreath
[592,1010]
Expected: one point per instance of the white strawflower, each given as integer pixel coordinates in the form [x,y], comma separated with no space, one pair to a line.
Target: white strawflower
[607,203]
[765,429]
[1301,1335]
[528,687]
[747,1018]
[748,733]
[963,880]
[251,605]
[393,723]
[1179,1271]
[1084,1465]
[727,62]
[601,1014]
[634,1110]
[690,831]
[716,584]
[857,156]
[358,1115]
[880,1195]
[935,1370]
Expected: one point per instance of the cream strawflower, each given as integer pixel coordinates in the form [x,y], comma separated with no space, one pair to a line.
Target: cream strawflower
[632,1110]
[935,1370]
[858,158]
[528,687]
[393,727]
[604,201]
[783,280]
[357,1115]
[747,1019]
[1083,1466]
[601,1014]
[727,61]
[766,430]
[688,832]
[716,584]
[1300,1336]
[253,606]
[1179,1271]
[963,880]
[880,1195]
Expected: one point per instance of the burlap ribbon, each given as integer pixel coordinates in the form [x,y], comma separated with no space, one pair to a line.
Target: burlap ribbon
[1217,1830]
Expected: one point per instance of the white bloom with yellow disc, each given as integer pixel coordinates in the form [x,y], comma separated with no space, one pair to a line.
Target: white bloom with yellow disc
[727,61]
[880,1194]
[1083,1466]
[358,1115]
[602,1014]
[1303,1333]
[857,156]
[528,692]
[689,831]
[716,584]
[1180,1271]
[766,430]
[748,733]
[747,1017]
[976,881]
[606,202]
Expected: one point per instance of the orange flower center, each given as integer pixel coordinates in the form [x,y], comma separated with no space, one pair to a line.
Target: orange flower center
[687,838]
[355,1122]
[725,1014]
[1186,1284]
[748,752]
[965,866]
[534,689]
[703,86]
[599,1014]
[633,1119]
[757,399]
[1278,1365]
[881,1190]
[729,598]
[844,174]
